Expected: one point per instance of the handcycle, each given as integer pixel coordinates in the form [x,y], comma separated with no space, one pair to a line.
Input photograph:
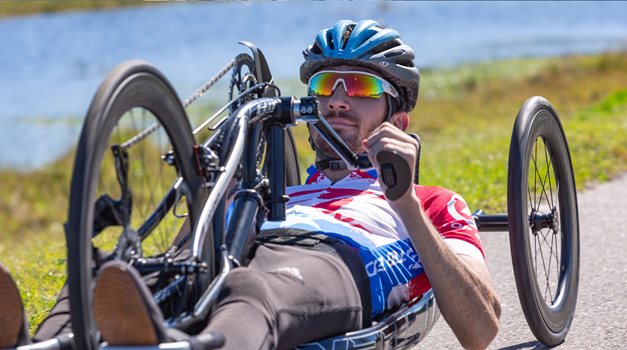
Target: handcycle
[249,155]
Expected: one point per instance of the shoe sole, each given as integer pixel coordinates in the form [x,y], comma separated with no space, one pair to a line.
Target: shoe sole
[120,311]
[11,314]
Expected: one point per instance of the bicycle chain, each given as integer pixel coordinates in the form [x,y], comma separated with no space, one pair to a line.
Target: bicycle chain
[211,82]
[198,93]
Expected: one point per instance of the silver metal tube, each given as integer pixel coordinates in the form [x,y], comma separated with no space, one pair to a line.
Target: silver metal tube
[221,110]
[50,344]
[203,304]
[260,106]
[221,185]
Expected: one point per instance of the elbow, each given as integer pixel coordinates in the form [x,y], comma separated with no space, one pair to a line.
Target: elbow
[483,338]
[485,331]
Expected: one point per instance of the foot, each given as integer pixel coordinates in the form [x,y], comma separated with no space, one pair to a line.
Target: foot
[125,311]
[13,327]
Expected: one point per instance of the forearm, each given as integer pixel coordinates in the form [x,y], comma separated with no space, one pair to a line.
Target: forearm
[462,288]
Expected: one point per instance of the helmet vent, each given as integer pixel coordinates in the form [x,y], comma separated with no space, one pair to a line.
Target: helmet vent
[347,34]
[395,52]
[405,62]
[316,49]
[330,42]
[386,46]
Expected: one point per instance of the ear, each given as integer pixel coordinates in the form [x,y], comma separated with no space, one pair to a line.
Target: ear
[400,120]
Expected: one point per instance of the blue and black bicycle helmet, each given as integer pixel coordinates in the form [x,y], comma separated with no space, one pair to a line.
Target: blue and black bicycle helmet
[367,44]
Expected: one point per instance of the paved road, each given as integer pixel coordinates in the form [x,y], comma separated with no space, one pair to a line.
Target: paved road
[601,316]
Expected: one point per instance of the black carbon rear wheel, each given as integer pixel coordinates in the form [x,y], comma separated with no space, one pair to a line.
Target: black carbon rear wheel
[543,221]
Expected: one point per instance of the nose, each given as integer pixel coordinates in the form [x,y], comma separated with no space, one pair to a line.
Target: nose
[338,101]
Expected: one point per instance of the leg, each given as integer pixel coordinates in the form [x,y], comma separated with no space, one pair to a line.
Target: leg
[58,320]
[286,297]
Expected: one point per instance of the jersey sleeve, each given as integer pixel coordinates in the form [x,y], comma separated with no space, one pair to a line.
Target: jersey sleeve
[451,216]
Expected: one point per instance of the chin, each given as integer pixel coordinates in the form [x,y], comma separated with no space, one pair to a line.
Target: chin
[348,135]
[323,146]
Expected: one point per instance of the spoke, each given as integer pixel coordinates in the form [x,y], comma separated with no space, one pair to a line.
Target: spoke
[538,176]
[159,187]
[538,247]
[548,172]
[543,264]
[542,183]
[547,269]
[151,181]
[535,256]
[535,178]
[544,238]
[142,179]
[548,277]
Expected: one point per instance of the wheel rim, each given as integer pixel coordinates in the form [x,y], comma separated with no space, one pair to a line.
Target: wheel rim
[133,96]
[149,179]
[544,229]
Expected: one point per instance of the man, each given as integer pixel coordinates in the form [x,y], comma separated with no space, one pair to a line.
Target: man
[345,252]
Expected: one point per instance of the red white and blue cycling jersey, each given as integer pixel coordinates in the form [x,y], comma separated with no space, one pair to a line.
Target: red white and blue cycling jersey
[355,210]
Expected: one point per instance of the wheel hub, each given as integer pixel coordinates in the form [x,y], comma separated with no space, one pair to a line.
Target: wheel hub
[539,220]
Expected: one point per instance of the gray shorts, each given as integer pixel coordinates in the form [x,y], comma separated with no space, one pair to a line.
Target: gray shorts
[288,295]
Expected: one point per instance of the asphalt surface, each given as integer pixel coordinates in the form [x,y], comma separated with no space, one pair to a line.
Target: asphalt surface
[601,316]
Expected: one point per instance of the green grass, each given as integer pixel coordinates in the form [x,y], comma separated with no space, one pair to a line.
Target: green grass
[10,8]
[464,116]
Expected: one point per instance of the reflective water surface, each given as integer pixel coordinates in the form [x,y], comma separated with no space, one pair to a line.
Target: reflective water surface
[52,64]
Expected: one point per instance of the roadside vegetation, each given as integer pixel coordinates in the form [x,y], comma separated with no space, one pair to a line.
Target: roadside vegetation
[464,116]
[12,8]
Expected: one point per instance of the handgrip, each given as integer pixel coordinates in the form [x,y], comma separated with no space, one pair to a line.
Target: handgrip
[395,173]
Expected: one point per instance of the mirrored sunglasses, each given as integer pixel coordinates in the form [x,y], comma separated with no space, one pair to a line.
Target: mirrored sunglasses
[356,84]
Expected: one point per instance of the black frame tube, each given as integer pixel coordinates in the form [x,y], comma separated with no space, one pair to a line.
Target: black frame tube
[276,173]
[491,223]
[241,228]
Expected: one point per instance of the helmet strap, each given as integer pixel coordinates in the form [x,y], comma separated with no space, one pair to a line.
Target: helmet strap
[325,162]
[331,163]
[390,108]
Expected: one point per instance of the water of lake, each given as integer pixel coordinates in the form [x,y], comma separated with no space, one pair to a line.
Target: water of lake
[51,65]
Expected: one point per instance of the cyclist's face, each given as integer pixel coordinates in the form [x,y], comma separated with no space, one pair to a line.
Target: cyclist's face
[353,118]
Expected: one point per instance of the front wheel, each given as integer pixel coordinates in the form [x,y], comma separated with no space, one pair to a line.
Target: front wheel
[134,184]
[543,221]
